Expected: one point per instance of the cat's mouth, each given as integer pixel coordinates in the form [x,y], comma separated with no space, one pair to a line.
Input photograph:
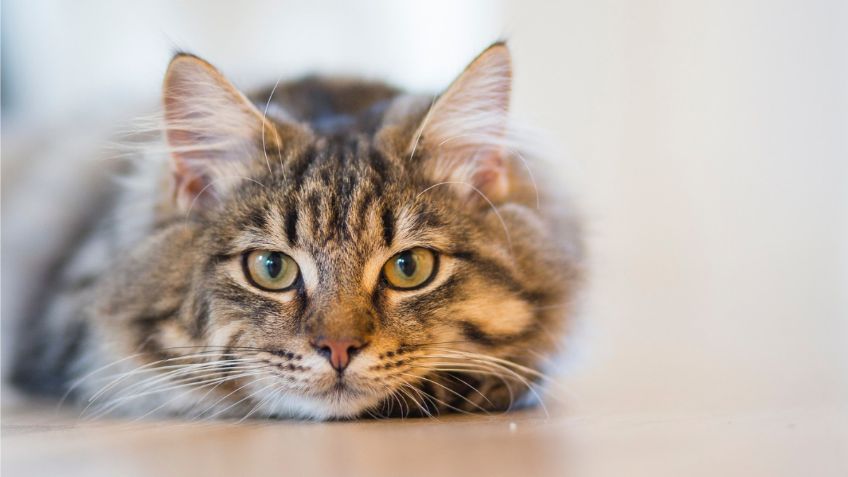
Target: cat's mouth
[346,386]
[341,386]
[342,399]
[307,385]
[322,395]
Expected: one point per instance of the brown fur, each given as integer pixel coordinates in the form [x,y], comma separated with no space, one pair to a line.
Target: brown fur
[340,181]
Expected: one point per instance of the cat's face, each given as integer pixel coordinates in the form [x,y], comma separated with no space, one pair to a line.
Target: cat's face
[377,271]
[354,253]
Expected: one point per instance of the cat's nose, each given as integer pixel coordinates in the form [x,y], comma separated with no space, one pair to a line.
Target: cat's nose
[338,351]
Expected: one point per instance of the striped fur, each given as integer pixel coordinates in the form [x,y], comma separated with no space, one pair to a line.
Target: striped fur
[340,175]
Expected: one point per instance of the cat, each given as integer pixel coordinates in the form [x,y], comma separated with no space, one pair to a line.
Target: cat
[327,249]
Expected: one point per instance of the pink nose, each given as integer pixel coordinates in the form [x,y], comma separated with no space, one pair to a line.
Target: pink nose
[338,352]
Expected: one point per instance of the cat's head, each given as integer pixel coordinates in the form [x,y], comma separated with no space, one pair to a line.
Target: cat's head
[396,262]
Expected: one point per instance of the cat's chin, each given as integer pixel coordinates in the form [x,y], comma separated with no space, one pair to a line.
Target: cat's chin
[329,404]
[322,408]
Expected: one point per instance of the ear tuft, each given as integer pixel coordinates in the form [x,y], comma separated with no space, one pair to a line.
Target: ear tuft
[213,131]
[464,132]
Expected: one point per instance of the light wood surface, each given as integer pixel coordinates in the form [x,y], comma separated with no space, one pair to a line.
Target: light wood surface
[765,442]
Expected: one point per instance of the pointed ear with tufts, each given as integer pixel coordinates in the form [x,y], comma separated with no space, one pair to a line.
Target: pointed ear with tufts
[213,131]
[463,134]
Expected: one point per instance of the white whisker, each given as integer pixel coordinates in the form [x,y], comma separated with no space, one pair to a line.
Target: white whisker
[276,134]
[491,205]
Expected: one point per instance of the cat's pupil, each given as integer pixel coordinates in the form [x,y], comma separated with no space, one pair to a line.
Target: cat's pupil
[406,264]
[274,264]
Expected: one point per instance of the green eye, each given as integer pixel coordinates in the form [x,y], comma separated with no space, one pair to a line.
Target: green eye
[270,271]
[411,268]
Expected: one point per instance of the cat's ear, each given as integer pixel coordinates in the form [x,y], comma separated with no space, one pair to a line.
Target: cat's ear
[463,134]
[213,131]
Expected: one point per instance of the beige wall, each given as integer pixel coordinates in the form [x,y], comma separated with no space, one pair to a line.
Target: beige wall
[712,139]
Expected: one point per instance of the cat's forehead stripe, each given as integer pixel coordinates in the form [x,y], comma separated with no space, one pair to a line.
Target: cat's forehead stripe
[332,189]
[388,227]
[291,225]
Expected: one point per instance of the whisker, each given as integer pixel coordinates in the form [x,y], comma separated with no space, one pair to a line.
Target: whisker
[156,378]
[421,128]
[145,366]
[443,403]
[488,201]
[261,402]
[79,381]
[437,367]
[448,390]
[214,383]
[187,375]
[159,369]
[405,389]
[192,383]
[210,184]
[242,399]
[517,376]
[457,378]
[504,362]
[530,175]
[264,121]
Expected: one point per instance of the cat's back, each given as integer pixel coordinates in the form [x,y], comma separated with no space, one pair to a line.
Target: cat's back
[330,105]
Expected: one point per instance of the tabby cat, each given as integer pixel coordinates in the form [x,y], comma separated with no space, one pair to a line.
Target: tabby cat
[330,248]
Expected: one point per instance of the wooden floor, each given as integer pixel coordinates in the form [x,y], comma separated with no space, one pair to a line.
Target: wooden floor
[775,442]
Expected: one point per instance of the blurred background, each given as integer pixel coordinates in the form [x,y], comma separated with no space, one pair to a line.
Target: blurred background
[707,143]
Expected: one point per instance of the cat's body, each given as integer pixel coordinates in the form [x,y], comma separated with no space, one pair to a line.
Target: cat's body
[348,185]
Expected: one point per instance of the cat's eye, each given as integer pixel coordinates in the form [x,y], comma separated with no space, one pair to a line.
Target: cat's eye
[270,271]
[411,268]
